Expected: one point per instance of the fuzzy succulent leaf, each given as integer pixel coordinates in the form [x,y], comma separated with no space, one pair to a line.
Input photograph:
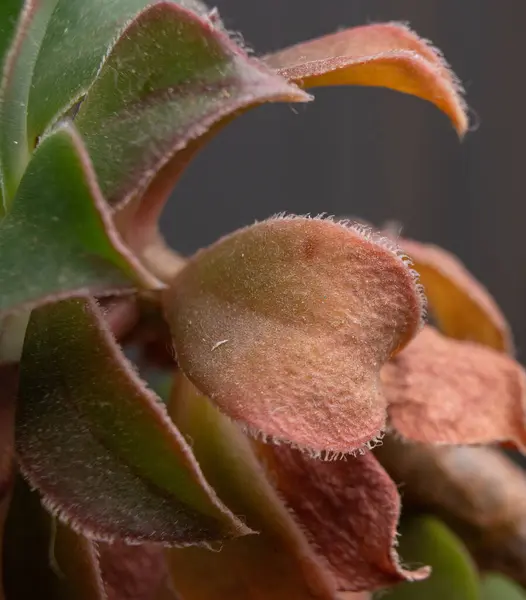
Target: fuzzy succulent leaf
[58,238]
[445,391]
[497,587]
[77,42]
[453,573]
[43,555]
[9,14]
[285,326]
[99,446]
[386,54]
[462,306]
[168,79]
[277,563]
[349,510]
[14,93]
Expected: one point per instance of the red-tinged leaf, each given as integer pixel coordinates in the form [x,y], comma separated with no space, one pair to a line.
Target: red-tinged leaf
[285,325]
[277,563]
[386,55]
[169,78]
[462,306]
[14,92]
[46,558]
[349,510]
[477,491]
[99,446]
[70,243]
[134,572]
[445,391]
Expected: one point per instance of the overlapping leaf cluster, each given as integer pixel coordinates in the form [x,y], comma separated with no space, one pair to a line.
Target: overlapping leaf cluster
[294,331]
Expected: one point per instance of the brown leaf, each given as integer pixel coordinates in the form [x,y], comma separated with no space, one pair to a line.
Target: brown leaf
[133,572]
[445,391]
[478,492]
[285,325]
[386,55]
[462,306]
[349,510]
[276,563]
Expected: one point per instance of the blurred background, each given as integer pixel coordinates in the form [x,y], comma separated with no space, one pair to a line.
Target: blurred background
[376,154]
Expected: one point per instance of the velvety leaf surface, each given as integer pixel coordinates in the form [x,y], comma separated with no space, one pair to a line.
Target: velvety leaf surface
[14,92]
[477,491]
[285,325]
[76,43]
[134,572]
[386,54]
[99,446]
[462,306]
[278,562]
[70,244]
[497,587]
[168,79]
[445,391]
[46,559]
[453,575]
[349,509]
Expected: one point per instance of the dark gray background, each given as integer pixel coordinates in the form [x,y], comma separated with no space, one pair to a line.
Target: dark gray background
[377,154]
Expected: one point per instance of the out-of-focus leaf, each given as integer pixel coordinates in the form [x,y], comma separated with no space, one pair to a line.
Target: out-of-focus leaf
[277,563]
[45,559]
[69,243]
[169,78]
[463,308]
[441,390]
[497,587]
[477,491]
[453,575]
[286,324]
[134,572]
[14,92]
[386,54]
[99,446]
[77,41]
[9,14]
[349,510]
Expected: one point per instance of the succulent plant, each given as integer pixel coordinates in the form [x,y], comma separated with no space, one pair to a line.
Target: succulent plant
[287,350]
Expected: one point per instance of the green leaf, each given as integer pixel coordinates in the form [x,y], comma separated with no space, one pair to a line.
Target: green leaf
[76,44]
[425,540]
[9,15]
[497,587]
[169,78]
[43,555]
[99,446]
[58,238]
[14,93]
[277,563]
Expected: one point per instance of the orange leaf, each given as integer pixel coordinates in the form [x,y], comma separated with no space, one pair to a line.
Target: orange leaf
[349,510]
[445,391]
[385,55]
[286,324]
[464,309]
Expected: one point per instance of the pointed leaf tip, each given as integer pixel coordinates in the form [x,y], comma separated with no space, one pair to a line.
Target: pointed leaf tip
[386,55]
[285,325]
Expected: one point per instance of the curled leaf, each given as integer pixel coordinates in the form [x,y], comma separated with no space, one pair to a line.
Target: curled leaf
[478,492]
[441,390]
[70,244]
[99,446]
[285,325]
[14,90]
[463,308]
[349,509]
[453,573]
[276,563]
[168,79]
[387,55]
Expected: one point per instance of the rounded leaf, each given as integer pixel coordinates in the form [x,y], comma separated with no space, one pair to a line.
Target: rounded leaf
[286,324]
